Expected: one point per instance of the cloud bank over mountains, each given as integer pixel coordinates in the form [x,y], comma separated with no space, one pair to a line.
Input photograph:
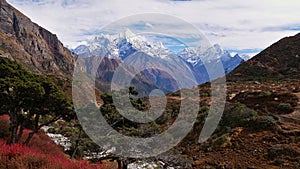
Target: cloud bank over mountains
[235,25]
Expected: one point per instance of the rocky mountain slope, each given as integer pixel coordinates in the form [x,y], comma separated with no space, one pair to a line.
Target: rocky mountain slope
[36,48]
[103,69]
[280,60]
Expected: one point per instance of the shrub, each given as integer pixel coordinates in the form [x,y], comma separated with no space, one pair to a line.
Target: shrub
[165,117]
[264,122]
[19,157]
[42,143]
[221,141]
[202,115]
[265,94]
[284,107]
[237,115]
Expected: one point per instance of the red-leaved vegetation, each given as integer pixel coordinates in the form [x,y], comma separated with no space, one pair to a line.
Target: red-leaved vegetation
[42,153]
[19,157]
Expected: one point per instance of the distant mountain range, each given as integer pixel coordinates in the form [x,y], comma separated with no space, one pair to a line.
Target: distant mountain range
[167,70]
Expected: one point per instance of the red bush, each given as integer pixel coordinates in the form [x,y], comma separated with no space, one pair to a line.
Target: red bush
[43,143]
[5,116]
[42,153]
[39,142]
[20,157]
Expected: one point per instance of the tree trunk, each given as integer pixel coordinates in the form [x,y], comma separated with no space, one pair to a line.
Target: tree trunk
[29,137]
[37,127]
[21,122]
[119,164]
[13,127]
[35,130]
[125,165]
[20,133]
[77,143]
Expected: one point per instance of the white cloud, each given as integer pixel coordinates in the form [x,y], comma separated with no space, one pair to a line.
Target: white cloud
[231,23]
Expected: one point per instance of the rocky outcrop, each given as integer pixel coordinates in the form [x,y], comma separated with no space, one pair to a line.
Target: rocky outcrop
[33,46]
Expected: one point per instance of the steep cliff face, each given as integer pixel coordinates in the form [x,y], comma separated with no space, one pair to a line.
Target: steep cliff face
[33,46]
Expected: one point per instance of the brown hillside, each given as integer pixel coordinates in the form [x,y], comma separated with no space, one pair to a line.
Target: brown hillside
[280,60]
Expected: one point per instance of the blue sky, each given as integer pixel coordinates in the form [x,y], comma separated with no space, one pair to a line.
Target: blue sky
[238,26]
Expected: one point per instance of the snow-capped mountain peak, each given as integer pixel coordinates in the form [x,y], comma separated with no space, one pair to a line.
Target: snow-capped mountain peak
[122,45]
[218,49]
[202,54]
[190,55]
[128,34]
[199,56]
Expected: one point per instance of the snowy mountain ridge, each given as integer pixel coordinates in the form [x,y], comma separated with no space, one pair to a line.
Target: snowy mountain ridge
[160,64]
[122,45]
